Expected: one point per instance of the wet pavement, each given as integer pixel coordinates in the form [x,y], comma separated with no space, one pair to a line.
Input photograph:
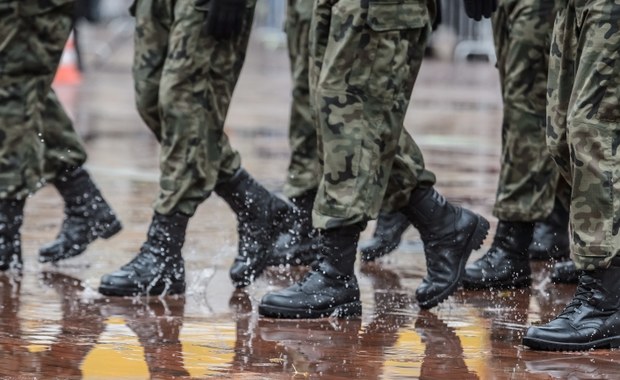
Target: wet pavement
[54,324]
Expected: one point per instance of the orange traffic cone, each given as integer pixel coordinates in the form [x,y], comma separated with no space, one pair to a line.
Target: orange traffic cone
[68,72]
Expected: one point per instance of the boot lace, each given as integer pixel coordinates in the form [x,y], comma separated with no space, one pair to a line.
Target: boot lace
[143,260]
[489,260]
[315,268]
[583,294]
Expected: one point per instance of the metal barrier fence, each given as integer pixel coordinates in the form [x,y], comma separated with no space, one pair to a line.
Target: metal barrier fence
[269,21]
[472,38]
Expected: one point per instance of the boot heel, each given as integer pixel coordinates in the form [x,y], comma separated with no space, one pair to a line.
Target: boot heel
[348,310]
[481,232]
[172,289]
[112,229]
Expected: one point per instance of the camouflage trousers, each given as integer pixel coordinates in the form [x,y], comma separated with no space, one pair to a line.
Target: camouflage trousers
[184,80]
[584,124]
[528,179]
[304,166]
[365,57]
[37,139]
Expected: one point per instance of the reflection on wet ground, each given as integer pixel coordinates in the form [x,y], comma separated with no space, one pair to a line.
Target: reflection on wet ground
[53,324]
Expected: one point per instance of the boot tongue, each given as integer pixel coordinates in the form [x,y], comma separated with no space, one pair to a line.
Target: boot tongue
[325,268]
[585,293]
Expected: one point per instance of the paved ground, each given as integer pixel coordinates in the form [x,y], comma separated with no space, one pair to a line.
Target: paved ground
[53,324]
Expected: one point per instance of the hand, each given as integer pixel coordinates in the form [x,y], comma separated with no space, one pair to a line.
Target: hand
[477,9]
[225,18]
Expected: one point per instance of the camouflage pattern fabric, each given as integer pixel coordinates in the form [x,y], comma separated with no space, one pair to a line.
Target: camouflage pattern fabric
[184,80]
[37,139]
[365,57]
[303,170]
[583,131]
[63,147]
[528,177]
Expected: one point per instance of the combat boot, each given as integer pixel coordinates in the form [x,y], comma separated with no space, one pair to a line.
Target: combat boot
[298,244]
[564,272]
[591,320]
[449,234]
[87,217]
[330,288]
[11,219]
[387,235]
[158,268]
[506,264]
[550,238]
[260,215]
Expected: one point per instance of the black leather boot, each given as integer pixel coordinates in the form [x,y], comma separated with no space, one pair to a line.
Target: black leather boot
[449,234]
[298,244]
[591,320]
[87,217]
[550,239]
[564,272]
[260,215]
[330,288]
[506,264]
[11,219]
[387,235]
[158,268]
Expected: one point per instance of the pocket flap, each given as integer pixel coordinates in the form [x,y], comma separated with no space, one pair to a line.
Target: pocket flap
[385,15]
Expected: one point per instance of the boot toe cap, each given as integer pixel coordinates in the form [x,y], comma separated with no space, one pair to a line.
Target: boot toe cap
[57,251]
[119,278]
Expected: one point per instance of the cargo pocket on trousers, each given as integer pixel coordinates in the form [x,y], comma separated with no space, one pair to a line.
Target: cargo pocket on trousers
[389,15]
[609,80]
[397,26]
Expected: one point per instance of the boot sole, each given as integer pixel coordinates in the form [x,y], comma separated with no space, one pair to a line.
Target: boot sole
[475,242]
[178,288]
[348,310]
[114,228]
[14,262]
[370,255]
[541,344]
[248,280]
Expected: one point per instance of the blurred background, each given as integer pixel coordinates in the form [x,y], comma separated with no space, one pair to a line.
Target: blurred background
[53,314]
[55,325]
[457,38]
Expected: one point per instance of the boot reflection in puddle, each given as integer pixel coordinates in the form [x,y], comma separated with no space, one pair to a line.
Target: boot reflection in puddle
[505,310]
[393,310]
[443,353]
[505,315]
[574,367]
[81,325]
[14,354]
[240,302]
[322,347]
[252,352]
[337,347]
[157,322]
[393,305]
